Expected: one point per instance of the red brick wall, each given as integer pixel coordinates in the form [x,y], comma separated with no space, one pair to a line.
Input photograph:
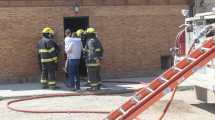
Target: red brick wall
[30,3]
[134,37]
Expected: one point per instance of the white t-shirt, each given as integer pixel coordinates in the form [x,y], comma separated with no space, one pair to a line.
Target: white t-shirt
[73,47]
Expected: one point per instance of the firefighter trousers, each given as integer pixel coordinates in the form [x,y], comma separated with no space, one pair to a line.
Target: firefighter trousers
[48,78]
[94,77]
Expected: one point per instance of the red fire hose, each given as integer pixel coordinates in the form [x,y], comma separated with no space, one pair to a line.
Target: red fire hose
[9,104]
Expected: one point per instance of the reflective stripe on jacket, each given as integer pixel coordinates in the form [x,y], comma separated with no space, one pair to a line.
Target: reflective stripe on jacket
[47,53]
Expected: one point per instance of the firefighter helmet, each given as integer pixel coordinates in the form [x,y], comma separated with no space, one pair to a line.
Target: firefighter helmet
[48,30]
[91,30]
[79,32]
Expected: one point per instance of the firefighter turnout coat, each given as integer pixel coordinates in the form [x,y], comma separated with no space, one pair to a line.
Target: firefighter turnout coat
[94,51]
[47,54]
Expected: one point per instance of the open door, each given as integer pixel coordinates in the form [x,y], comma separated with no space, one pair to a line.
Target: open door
[75,23]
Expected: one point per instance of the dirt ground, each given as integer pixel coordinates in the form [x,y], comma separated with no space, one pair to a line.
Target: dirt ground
[184,107]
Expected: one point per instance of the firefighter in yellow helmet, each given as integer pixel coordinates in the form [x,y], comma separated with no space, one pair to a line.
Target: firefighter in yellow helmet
[94,54]
[80,33]
[48,52]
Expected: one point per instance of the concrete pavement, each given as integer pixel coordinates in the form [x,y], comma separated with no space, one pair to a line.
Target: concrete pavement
[32,89]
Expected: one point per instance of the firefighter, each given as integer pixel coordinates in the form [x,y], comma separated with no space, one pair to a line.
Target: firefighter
[82,67]
[48,57]
[94,53]
[79,33]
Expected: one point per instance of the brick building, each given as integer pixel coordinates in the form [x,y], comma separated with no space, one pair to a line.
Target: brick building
[135,33]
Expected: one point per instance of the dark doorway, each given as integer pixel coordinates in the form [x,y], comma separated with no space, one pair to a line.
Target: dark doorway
[75,23]
[166,62]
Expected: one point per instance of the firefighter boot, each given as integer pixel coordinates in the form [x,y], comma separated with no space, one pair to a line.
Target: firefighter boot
[54,87]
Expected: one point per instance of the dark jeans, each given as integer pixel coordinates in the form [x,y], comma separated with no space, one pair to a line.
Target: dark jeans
[73,65]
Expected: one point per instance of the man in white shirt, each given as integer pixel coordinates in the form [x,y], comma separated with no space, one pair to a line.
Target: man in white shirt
[73,47]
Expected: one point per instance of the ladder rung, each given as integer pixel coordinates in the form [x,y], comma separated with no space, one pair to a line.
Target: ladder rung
[122,110]
[149,89]
[176,68]
[135,98]
[191,59]
[163,79]
[204,49]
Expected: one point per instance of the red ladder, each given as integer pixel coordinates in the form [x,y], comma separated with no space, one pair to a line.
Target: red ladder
[165,83]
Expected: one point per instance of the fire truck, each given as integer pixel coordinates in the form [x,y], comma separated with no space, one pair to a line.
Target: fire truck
[204,78]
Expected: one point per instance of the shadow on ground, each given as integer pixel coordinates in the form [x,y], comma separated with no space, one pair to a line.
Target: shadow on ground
[32,89]
[210,107]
